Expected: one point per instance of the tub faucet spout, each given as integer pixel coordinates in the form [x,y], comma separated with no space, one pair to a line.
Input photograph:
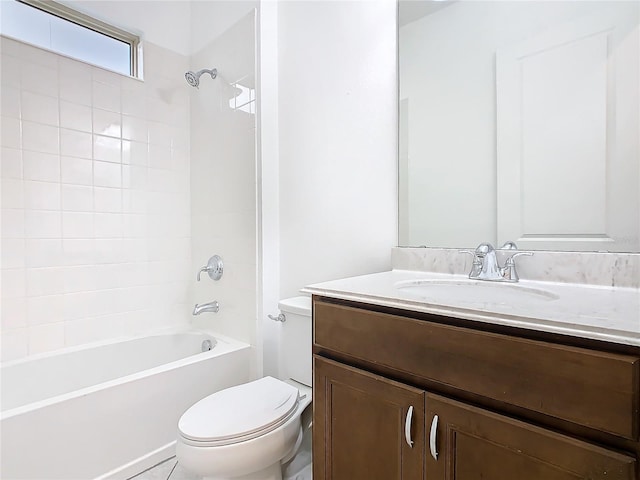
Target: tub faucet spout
[206,307]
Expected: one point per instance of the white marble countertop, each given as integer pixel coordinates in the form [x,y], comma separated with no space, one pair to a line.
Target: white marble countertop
[586,311]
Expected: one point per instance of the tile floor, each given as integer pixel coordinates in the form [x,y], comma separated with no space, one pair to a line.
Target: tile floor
[298,468]
[167,470]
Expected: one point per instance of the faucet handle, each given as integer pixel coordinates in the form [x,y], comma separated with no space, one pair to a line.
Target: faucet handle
[203,269]
[509,272]
[511,260]
[214,268]
[473,253]
[509,245]
[476,264]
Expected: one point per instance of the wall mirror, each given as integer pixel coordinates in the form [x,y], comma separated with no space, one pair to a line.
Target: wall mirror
[519,120]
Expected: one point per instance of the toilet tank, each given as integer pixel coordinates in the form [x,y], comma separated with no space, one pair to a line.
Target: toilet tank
[296,338]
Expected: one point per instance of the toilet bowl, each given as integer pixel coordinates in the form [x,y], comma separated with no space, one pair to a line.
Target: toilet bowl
[248,431]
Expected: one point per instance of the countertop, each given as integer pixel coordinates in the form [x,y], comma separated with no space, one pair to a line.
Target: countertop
[610,314]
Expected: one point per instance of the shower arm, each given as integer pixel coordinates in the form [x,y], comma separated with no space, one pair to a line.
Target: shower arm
[193,78]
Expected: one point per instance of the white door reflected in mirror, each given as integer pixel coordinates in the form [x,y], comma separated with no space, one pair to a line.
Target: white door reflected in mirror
[519,120]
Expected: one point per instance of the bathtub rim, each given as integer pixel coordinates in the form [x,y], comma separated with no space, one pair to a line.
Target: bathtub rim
[224,345]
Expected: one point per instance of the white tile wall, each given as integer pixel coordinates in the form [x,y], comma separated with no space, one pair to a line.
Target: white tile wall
[95,204]
[41,166]
[223,150]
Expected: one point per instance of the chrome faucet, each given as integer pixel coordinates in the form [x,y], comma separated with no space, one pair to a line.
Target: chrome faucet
[206,307]
[485,264]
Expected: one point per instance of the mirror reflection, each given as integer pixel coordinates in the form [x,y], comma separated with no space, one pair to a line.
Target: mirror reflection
[518,120]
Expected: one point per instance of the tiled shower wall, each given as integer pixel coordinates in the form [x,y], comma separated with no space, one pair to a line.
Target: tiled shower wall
[95,199]
[224,180]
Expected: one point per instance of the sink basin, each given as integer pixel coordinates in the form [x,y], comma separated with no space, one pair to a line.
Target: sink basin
[473,291]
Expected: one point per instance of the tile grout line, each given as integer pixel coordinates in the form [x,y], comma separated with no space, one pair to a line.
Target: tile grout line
[171,472]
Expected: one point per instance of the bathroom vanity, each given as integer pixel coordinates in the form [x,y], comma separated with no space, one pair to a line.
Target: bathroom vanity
[416,388]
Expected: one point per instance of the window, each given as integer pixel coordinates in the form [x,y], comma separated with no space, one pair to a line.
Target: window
[243,98]
[56,27]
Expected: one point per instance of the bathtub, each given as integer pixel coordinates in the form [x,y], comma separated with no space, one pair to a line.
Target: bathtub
[108,410]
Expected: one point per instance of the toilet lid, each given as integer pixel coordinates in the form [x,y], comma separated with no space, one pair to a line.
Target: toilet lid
[240,413]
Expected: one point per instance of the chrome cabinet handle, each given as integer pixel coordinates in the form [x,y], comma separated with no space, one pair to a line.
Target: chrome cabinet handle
[432,437]
[407,427]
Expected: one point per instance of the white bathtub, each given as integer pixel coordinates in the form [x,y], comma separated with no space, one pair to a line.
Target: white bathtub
[108,410]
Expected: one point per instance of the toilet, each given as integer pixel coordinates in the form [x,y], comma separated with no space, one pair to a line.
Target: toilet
[249,431]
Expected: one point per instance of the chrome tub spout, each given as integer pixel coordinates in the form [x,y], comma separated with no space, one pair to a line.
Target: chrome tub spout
[206,307]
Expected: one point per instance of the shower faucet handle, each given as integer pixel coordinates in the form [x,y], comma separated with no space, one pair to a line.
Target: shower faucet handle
[214,268]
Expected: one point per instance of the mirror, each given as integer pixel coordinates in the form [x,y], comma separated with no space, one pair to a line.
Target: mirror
[518,120]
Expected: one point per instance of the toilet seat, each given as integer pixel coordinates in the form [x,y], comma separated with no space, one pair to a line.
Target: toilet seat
[265,405]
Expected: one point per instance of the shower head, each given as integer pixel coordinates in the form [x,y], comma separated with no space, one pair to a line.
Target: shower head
[193,78]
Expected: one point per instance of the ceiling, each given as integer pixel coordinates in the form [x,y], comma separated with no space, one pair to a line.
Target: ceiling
[412,10]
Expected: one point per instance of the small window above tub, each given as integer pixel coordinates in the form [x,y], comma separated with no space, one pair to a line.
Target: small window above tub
[58,28]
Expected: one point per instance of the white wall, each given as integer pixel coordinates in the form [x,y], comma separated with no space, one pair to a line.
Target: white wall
[337,139]
[328,147]
[95,199]
[210,19]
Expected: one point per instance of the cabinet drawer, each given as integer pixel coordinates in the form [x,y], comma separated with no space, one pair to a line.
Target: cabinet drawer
[587,387]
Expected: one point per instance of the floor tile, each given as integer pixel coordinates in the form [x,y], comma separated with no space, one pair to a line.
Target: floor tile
[167,470]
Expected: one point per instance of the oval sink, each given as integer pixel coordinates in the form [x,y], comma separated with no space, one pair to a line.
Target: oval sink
[473,291]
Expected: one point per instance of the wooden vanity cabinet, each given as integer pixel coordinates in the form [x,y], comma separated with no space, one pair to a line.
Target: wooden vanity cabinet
[474,443]
[484,404]
[363,425]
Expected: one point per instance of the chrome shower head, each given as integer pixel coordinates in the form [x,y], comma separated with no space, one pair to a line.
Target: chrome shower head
[193,78]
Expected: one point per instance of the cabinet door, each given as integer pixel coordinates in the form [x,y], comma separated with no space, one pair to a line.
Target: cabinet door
[473,444]
[363,425]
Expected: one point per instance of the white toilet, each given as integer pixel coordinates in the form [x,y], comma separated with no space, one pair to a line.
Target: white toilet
[247,432]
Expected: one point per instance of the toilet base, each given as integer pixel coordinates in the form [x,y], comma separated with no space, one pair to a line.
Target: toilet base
[274,472]
[259,458]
